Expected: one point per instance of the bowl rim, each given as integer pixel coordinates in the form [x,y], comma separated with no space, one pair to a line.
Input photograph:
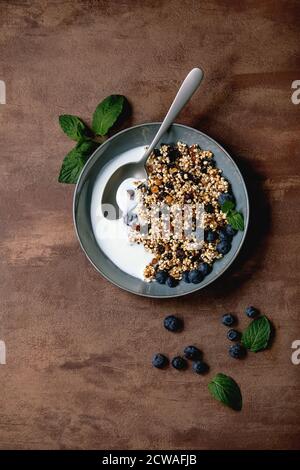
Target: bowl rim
[197,286]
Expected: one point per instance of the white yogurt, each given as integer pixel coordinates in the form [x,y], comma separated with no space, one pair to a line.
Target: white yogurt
[112,235]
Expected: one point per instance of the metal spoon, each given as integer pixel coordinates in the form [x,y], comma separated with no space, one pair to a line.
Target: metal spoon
[138,169]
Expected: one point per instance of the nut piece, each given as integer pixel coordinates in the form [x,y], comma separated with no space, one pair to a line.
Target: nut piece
[154,189]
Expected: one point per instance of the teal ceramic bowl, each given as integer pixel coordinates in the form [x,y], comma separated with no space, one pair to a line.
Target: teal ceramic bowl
[142,135]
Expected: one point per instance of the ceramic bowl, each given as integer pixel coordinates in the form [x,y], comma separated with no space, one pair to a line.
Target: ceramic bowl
[142,135]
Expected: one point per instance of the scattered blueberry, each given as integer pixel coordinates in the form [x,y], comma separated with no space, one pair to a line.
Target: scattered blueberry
[160,361]
[237,351]
[191,352]
[228,319]
[161,277]
[204,268]
[211,236]
[179,363]
[233,335]
[230,230]
[200,367]
[173,323]
[195,276]
[224,197]
[251,312]
[171,281]
[223,247]
[186,277]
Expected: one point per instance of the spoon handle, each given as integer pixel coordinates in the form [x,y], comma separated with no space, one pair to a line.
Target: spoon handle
[185,92]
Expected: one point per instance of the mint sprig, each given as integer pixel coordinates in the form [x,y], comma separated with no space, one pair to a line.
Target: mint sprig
[224,389]
[73,126]
[257,334]
[234,218]
[105,116]
[227,206]
[74,161]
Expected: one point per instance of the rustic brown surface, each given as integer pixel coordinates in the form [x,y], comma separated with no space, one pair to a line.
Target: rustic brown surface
[78,371]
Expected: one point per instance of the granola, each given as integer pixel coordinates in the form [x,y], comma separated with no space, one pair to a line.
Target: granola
[180,198]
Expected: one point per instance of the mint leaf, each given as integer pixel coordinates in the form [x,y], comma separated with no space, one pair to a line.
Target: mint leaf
[106,114]
[73,126]
[75,161]
[236,220]
[227,206]
[224,389]
[257,335]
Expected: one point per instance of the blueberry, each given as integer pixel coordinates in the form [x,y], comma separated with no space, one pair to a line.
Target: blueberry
[204,268]
[209,208]
[233,335]
[228,319]
[173,323]
[186,277]
[161,277]
[156,152]
[173,154]
[200,367]
[251,312]
[223,247]
[191,352]
[230,230]
[211,236]
[179,363]
[224,197]
[223,235]
[160,361]
[237,351]
[171,281]
[195,276]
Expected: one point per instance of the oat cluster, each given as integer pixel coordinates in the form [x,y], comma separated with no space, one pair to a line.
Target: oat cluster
[179,177]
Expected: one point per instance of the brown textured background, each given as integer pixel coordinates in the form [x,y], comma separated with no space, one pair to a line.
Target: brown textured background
[78,371]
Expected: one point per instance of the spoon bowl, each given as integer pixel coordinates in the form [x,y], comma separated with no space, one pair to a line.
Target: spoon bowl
[109,198]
